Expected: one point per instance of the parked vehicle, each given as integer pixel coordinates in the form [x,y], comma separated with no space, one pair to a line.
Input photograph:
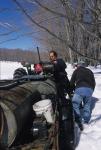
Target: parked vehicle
[30,103]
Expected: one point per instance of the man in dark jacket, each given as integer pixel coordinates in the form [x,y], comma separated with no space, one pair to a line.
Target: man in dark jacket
[83,84]
[60,74]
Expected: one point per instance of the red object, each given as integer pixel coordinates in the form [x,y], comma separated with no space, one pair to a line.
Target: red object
[38,68]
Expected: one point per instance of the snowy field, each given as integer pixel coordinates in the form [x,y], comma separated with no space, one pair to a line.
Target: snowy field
[90,137]
[7,69]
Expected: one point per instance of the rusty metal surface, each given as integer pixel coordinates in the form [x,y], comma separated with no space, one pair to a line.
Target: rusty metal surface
[51,143]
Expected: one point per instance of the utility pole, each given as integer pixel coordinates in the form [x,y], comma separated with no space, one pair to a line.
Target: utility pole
[38,54]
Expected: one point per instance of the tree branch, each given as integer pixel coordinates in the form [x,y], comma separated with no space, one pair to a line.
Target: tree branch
[47,30]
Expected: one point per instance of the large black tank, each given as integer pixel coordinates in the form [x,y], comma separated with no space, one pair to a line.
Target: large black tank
[16,105]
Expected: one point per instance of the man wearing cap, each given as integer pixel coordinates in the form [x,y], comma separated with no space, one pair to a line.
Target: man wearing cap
[82,83]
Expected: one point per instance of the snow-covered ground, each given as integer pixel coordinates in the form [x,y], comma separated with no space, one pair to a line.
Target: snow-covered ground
[7,69]
[90,137]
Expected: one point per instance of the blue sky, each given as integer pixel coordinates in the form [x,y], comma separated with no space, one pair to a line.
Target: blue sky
[15,23]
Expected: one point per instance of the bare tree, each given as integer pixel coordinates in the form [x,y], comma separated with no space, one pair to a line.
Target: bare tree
[72,28]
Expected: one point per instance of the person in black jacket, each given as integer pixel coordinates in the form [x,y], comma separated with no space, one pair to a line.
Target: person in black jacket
[60,74]
[66,118]
[82,83]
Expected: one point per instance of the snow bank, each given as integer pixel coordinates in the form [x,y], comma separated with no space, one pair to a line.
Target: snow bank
[7,69]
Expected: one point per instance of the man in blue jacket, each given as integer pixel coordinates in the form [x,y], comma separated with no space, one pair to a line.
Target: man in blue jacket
[83,84]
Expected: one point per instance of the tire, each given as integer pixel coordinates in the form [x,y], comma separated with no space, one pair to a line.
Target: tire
[66,128]
[18,73]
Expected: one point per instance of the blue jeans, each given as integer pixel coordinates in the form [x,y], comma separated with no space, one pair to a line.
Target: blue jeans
[82,95]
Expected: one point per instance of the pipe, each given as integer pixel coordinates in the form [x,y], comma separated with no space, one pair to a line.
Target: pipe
[16,107]
[6,85]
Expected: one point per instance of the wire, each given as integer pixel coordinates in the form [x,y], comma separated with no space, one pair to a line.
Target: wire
[8,9]
[8,33]
[6,25]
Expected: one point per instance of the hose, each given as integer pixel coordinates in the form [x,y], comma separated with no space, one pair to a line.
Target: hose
[22,80]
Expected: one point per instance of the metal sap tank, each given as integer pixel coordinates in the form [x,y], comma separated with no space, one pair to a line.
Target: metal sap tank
[16,105]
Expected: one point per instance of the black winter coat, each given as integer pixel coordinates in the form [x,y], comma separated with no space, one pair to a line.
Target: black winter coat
[60,73]
[82,77]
